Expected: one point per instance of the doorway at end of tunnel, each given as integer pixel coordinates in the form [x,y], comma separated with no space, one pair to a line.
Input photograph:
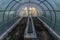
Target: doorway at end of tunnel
[29,11]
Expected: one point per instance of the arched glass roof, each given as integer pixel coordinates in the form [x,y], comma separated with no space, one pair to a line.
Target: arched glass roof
[50,9]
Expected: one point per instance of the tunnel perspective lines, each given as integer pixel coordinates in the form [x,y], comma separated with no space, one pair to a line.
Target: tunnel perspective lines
[10,12]
[55,17]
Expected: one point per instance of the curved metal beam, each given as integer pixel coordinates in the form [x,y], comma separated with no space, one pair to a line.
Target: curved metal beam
[10,9]
[41,1]
[53,11]
[49,12]
[20,4]
[42,8]
[6,8]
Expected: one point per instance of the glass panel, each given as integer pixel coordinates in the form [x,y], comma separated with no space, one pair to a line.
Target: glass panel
[57,28]
[4,3]
[1,17]
[14,8]
[11,15]
[6,16]
[10,5]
